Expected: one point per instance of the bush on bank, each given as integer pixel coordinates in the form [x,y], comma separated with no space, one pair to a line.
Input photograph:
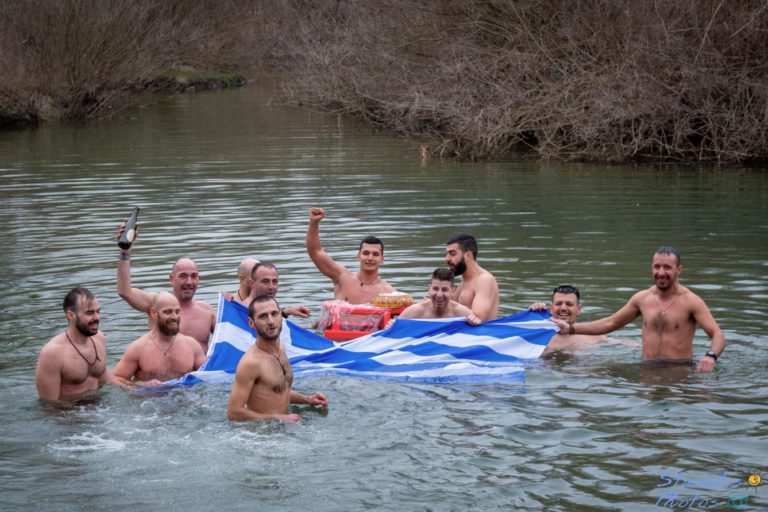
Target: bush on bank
[605,80]
[601,80]
[75,59]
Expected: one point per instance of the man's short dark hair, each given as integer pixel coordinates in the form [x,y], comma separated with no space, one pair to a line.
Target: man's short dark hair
[71,299]
[443,274]
[262,264]
[371,240]
[668,249]
[467,243]
[259,299]
[567,289]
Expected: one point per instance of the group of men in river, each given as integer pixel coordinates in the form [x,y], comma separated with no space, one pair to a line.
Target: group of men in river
[73,363]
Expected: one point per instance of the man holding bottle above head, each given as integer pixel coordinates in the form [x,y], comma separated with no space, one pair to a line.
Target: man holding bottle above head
[198,318]
[478,289]
[671,313]
[359,287]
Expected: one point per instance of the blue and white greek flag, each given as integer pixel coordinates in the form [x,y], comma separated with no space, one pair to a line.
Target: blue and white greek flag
[445,350]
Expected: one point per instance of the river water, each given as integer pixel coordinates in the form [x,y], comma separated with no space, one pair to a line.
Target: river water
[221,176]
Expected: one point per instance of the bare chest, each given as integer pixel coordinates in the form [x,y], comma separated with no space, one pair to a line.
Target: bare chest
[464,294]
[155,365]
[76,370]
[272,391]
[196,322]
[352,291]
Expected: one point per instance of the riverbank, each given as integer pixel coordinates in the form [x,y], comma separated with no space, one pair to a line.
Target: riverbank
[597,80]
[75,60]
[593,80]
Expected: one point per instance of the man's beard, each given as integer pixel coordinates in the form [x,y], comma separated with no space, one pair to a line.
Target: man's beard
[169,330]
[86,329]
[459,268]
[264,333]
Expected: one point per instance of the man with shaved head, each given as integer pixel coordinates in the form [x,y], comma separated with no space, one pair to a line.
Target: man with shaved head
[242,295]
[197,317]
[163,353]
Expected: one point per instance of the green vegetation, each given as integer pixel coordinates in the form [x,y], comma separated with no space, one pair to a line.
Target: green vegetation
[601,80]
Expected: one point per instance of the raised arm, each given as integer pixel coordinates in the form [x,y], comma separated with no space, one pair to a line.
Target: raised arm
[320,258]
[137,298]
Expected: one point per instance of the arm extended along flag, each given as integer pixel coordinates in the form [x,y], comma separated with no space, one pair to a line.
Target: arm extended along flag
[412,350]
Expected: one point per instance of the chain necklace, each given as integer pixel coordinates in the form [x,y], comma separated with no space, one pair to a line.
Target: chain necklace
[95,352]
[276,359]
[165,352]
[663,306]
[239,296]
[364,284]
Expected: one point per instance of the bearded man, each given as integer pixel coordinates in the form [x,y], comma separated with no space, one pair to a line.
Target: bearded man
[478,289]
[163,353]
[72,365]
[264,377]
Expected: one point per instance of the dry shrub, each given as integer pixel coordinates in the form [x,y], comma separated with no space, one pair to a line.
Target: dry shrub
[73,59]
[599,80]
[607,80]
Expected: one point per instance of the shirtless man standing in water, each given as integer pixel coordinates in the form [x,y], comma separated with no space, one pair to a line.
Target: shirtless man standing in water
[360,287]
[671,313]
[566,306]
[242,294]
[163,353]
[263,379]
[198,318]
[72,364]
[439,303]
[478,289]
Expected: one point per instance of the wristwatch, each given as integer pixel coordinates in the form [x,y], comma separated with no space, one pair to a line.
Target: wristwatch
[712,354]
